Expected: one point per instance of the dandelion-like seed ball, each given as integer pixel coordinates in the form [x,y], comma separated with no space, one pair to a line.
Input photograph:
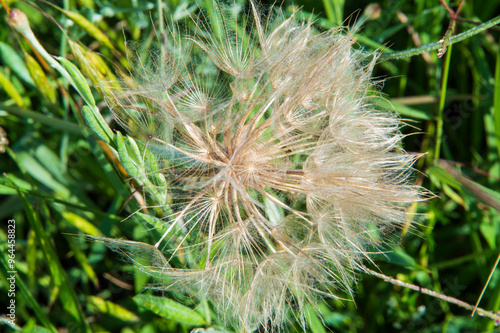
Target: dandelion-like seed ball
[278,174]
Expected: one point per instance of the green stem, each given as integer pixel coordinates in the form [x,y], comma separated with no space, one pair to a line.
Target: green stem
[442,99]
[161,23]
[496,101]
[426,291]
[434,46]
[486,285]
[63,125]
[30,36]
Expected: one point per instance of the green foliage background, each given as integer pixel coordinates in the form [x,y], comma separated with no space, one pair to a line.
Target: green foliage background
[59,183]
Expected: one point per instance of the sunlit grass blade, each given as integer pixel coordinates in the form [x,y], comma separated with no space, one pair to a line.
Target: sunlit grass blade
[11,90]
[486,285]
[112,309]
[15,62]
[334,10]
[442,100]
[52,122]
[496,101]
[67,294]
[170,309]
[26,294]
[40,79]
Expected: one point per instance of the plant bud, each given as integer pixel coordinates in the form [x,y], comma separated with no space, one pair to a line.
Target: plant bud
[18,20]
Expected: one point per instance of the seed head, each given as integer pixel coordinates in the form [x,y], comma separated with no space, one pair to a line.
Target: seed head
[282,174]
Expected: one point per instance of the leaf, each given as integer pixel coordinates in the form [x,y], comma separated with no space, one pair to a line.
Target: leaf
[12,60]
[274,213]
[38,75]
[5,189]
[111,172]
[59,124]
[444,177]
[112,309]
[334,10]
[40,329]
[28,297]
[88,26]
[67,294]
[97,124]
[37,171]
[398,256]
[169,309]
[402,109]
[489,232]
[496,101]
[160,225]
[81,224]
[129,164]
[31,258]
[134,152]
[314,322]
[79,81]
[11,90]
[455,179]
[52,164]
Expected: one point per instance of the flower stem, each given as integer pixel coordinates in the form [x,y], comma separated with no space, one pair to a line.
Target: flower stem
[442,99]
[436,45]
[449,299]
[486,285]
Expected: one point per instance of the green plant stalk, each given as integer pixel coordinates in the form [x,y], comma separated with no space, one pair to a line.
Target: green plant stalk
[442,100]
[486,285]
[330,11]
[434,46]
[426,291]
[56,123]
[496,100]
[494,305]
[30,36]
[161,21]
[214,18]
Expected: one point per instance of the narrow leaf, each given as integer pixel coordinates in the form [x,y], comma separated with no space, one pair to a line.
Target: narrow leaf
[79,80]
[112,309]
[11,90]
[129,165]
[67,295]
[88,26]
[97,123]
[81,224]
[38,75]
[12,60]
[401,109]
[169,309]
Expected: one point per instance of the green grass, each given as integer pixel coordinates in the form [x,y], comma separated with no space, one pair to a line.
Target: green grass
[60,183]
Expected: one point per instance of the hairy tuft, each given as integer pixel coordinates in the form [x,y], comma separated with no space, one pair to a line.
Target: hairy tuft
[282,176]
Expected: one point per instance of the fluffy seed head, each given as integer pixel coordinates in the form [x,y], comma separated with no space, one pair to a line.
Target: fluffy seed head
[282,177]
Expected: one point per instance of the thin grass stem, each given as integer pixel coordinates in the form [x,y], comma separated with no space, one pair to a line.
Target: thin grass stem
[436,45]
[448,299]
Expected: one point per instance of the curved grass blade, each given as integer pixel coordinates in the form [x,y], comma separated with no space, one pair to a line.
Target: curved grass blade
[67,295]
[169,309]
[28,297]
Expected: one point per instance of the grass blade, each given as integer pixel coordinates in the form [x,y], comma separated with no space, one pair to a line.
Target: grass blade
[170,309]
[67,294]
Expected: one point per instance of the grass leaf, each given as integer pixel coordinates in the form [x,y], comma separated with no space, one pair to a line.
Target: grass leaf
[169,309]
